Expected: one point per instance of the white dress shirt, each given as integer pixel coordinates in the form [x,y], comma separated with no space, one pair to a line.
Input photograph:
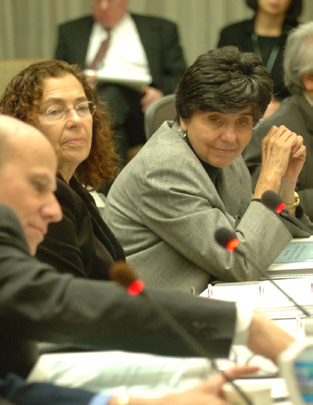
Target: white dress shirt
[125,57]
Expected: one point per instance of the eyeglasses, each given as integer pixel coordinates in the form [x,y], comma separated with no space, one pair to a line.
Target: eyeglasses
[109,1]
[84,110]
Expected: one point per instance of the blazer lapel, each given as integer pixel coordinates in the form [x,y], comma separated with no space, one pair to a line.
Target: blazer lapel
[150,43]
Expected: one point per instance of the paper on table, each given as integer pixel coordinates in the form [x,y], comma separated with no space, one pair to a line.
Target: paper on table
[262,295]
[295,260]
[254,290]
[296,252]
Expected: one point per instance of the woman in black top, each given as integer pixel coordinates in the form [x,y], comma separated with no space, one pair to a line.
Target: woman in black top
[266,35]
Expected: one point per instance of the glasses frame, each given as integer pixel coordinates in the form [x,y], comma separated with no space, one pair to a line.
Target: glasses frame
[54,118]
[109,1]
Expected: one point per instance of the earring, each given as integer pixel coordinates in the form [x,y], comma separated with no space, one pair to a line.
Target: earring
[182,133]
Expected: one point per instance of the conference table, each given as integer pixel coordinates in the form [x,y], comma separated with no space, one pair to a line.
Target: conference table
[295,278]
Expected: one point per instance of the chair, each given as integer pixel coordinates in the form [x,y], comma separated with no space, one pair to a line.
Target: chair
[11,67]
[158,112]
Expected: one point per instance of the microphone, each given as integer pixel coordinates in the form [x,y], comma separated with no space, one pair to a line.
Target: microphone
[125,276]
[273,201]
[228,240]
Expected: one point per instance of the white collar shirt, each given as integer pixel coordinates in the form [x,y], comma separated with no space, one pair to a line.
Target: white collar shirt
[125,57]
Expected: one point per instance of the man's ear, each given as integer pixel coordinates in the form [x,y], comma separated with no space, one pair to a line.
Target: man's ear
[307,80]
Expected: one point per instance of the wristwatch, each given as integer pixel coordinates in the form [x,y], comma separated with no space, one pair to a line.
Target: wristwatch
[295,204]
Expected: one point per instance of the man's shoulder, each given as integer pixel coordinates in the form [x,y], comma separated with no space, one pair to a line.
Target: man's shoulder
[287,114]
[10,226]
[8,216]
[77,22]
[152,20]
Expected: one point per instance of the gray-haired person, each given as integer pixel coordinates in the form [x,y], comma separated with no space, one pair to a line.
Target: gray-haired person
[296,112]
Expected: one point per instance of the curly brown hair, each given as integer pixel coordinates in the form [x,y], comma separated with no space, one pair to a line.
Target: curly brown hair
[22,98]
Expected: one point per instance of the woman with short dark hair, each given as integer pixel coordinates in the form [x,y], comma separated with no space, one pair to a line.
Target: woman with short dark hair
[190,180]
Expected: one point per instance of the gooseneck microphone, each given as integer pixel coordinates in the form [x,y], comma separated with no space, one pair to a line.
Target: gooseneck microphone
[125,276]
[273,201]
[228,240]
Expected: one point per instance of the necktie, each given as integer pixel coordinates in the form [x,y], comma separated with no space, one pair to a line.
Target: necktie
[101,52]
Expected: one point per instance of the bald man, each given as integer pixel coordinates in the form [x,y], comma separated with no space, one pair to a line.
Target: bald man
[28,166]
[39,304]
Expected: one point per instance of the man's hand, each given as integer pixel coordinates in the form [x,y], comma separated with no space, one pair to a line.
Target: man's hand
[150,95]
[267,338]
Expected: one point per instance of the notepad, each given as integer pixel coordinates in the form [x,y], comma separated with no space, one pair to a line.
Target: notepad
[296,260]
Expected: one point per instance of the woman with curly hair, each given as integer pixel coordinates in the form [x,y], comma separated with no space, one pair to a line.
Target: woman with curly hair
[56,98]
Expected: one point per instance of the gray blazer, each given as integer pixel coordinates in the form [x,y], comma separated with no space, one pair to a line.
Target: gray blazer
[39,304]
[164,209]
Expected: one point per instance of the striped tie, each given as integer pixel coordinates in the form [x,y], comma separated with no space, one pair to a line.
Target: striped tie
[100,55]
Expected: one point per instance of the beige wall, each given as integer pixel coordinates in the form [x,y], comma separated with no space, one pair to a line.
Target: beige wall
[28,28]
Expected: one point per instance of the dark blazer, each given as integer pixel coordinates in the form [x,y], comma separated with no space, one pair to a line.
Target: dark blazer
[81,243]
[159,38]
[18,392]
[297,115]
[239,34]
[38,303]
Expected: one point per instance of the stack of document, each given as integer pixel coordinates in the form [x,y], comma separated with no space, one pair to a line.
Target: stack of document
[265,297]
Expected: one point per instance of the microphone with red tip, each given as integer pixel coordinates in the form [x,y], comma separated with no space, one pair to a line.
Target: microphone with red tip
[273,201]
[227,239]
[125,276]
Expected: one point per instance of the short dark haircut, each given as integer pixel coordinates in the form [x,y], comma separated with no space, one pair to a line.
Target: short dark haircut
[293,13]
[227,81]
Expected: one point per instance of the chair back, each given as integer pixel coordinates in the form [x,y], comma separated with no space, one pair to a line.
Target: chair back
[11,67]
[158,112]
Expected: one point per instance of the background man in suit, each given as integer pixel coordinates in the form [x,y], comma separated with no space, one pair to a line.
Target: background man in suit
[140,48]
[38,303]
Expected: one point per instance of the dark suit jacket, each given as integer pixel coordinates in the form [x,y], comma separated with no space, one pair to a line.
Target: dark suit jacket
[239,34]
[159,38]
[81,243]
[38,303]
[18,392]
[297,115]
